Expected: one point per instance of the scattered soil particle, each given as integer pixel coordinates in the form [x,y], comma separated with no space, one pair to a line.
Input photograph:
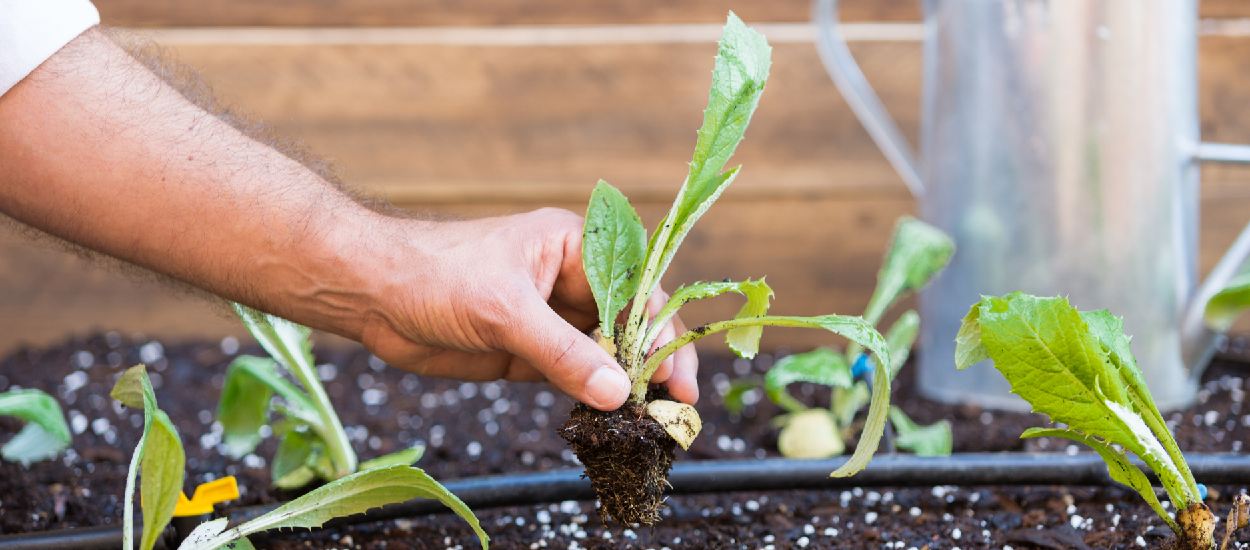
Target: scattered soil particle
[627,456]
[473,429]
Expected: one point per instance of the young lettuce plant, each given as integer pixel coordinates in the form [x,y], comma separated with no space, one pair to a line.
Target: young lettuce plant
[1076,367]
[312,442]
[917,252]
[628,452]
[45,433]
[159,462]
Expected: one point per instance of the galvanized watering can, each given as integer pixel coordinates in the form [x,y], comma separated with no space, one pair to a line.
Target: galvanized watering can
[1059,147]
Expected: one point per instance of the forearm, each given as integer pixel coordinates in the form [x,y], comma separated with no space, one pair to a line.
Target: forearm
[97,150]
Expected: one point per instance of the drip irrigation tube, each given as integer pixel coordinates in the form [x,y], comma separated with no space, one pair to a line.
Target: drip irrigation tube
[712,476]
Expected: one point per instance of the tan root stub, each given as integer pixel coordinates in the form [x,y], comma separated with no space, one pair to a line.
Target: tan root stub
[810,434]
[1197,527]
[680,420]
[606,343]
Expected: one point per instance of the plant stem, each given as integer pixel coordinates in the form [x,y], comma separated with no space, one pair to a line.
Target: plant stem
[331,429]
[635,326]
[653,361]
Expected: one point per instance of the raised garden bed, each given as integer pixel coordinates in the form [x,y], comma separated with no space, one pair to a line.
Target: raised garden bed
[493,428]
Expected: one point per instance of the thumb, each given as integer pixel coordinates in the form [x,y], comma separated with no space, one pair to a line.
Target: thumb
[567,358]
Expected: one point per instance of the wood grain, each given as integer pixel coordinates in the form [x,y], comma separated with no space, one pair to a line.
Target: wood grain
[444,124]
[160,13]
[820,255]
[431,121]
[474,130]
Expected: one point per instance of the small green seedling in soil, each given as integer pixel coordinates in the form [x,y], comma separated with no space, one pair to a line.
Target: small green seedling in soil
[158,457]
[354,494]
[628,452]
[45,433]
[159,462]
[1077,368]
[1227,305]
[312,443]
[917,252]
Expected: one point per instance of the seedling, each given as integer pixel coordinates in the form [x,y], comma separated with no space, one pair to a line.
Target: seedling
[628,452]
[1076,367]
[1227,305]
[161,460]
[354,494]
[312,441]
[917,252]
[159,455]
[45,433]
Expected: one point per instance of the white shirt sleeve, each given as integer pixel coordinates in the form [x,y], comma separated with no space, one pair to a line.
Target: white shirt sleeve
[32,30]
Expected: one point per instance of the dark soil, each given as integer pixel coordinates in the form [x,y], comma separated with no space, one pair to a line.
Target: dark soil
[473,429]
[627,455]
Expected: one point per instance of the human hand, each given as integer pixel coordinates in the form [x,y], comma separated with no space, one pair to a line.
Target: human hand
[502,297]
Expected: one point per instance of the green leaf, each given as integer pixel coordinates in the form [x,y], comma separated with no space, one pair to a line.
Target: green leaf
[932,440]
[291,466]
[162,471]
[1109,329]
[900,337]
[133,389]
[917,252]
[1118,465]
[1047,353]
[756,292]
[745,341]
[291,345]
[244,405]
[406,457]
[822,366]
[354,494]
[743,60]
[45,433]
[613,245]
[812,433]
[1077,369]
[735,396]
[968,347]
[855,329]
[158,456]
[845,403]
[1223,309]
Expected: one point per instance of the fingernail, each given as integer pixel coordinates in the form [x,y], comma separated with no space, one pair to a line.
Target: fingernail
[607,387]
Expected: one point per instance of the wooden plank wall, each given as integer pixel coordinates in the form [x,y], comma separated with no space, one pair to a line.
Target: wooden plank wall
[481,108]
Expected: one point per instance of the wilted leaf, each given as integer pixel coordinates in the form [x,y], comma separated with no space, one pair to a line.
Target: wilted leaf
[745,341]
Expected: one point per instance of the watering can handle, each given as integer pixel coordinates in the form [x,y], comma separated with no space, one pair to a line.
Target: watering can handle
[1198,341]
[863,101]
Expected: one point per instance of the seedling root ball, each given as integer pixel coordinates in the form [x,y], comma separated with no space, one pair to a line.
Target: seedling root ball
[627,455]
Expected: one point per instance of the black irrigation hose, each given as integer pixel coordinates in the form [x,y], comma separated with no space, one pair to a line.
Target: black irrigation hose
[714,476]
